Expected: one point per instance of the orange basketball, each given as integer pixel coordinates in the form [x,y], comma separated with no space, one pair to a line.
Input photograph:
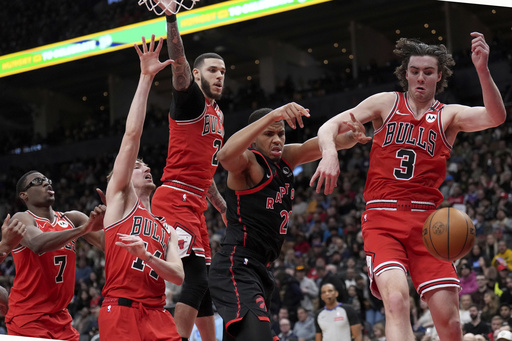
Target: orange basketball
[448,234]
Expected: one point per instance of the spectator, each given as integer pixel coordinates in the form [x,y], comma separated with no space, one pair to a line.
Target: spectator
[465,303]
[476,325]
[309,289]
[304,328]
[467,279]
[286,333]
[504,256]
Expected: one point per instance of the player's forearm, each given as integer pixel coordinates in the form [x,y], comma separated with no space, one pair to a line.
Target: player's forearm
[171,271]
[493,101]
[238,143]
[327,136]
[51,241]
[181,72]
[215,198]
[345,141]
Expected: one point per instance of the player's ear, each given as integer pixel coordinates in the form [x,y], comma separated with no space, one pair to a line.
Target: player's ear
[196,74]
[23,196]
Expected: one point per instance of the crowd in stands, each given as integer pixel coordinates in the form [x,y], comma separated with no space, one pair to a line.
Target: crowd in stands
[324,241]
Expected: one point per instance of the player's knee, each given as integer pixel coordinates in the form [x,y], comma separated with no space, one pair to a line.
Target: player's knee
[194,287]
[397,304]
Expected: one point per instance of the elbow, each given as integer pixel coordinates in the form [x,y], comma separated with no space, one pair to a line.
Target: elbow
[180,277]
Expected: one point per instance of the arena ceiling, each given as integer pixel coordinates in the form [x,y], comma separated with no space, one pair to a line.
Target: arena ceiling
[320,31]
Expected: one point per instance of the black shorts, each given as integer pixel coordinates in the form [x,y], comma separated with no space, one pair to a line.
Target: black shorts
[239,282]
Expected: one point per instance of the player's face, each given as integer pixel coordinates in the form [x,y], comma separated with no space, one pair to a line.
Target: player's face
[141,177]
[211,75]
[271,141]
[422,76]
[38,190]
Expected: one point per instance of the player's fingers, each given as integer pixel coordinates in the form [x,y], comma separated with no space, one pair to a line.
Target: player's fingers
[6,220]
[319,184]
[152,43]
[144,46]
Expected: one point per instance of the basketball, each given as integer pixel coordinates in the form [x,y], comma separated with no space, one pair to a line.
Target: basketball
[448,234]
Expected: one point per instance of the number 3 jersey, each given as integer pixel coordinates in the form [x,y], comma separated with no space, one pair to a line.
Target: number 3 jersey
[408,156]
[127,276]
[44,283]
[258,217]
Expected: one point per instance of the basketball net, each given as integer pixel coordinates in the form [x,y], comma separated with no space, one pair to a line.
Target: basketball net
[173,6]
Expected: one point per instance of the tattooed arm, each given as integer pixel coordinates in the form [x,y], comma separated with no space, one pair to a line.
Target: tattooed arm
[217,200]
[181,72]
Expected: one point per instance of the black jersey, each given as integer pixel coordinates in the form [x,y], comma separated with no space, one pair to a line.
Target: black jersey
[258,217]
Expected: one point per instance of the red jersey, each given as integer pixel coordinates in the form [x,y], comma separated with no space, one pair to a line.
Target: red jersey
[408,156]
[44,283]
[127,276]
[193,146]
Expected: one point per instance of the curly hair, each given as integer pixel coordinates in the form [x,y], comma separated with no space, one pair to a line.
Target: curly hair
[405,48]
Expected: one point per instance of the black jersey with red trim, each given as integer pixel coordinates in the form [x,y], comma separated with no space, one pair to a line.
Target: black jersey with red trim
[258,217]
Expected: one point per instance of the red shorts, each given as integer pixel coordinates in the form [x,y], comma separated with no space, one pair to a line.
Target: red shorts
[184,211]
[393,240]
[47,326]
[136,323]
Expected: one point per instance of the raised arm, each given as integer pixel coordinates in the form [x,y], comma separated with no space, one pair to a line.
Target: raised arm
[181,72]
[234,156]
[374,108]
[493,112]
[299,153]
[119,186]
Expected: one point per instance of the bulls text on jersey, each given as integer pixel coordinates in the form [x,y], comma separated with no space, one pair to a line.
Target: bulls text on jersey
[212,125]
[149,228]
[406,134]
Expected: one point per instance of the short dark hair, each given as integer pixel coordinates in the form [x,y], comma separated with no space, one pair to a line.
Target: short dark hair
[257,114]
[405,48]
[200,60]
[21,184]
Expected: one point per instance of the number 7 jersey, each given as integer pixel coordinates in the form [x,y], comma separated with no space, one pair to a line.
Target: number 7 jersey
[408,155]
[44,283]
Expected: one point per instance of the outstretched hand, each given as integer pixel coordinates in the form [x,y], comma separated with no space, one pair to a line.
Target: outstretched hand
[291,113]
[102,196]
[134,245]
[479,51]
[358,130]
[149,62]
[95,222]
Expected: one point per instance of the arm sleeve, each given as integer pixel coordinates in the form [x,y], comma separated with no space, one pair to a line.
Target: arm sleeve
[187,105]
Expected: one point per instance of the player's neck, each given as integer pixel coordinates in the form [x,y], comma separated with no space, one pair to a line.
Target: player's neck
[420,108]
[42,211]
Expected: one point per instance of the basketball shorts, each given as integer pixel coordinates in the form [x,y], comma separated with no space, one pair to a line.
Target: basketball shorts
[240,283]
[135,322]
[183,211]
[393,240]
[47,326]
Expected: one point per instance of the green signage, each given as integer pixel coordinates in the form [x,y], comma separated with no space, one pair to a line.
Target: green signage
[195,20]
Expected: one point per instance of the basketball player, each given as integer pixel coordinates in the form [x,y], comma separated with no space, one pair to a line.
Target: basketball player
[259,196]
[45,261]
[414,134]
[196,133]
[141,250]
[336,321]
